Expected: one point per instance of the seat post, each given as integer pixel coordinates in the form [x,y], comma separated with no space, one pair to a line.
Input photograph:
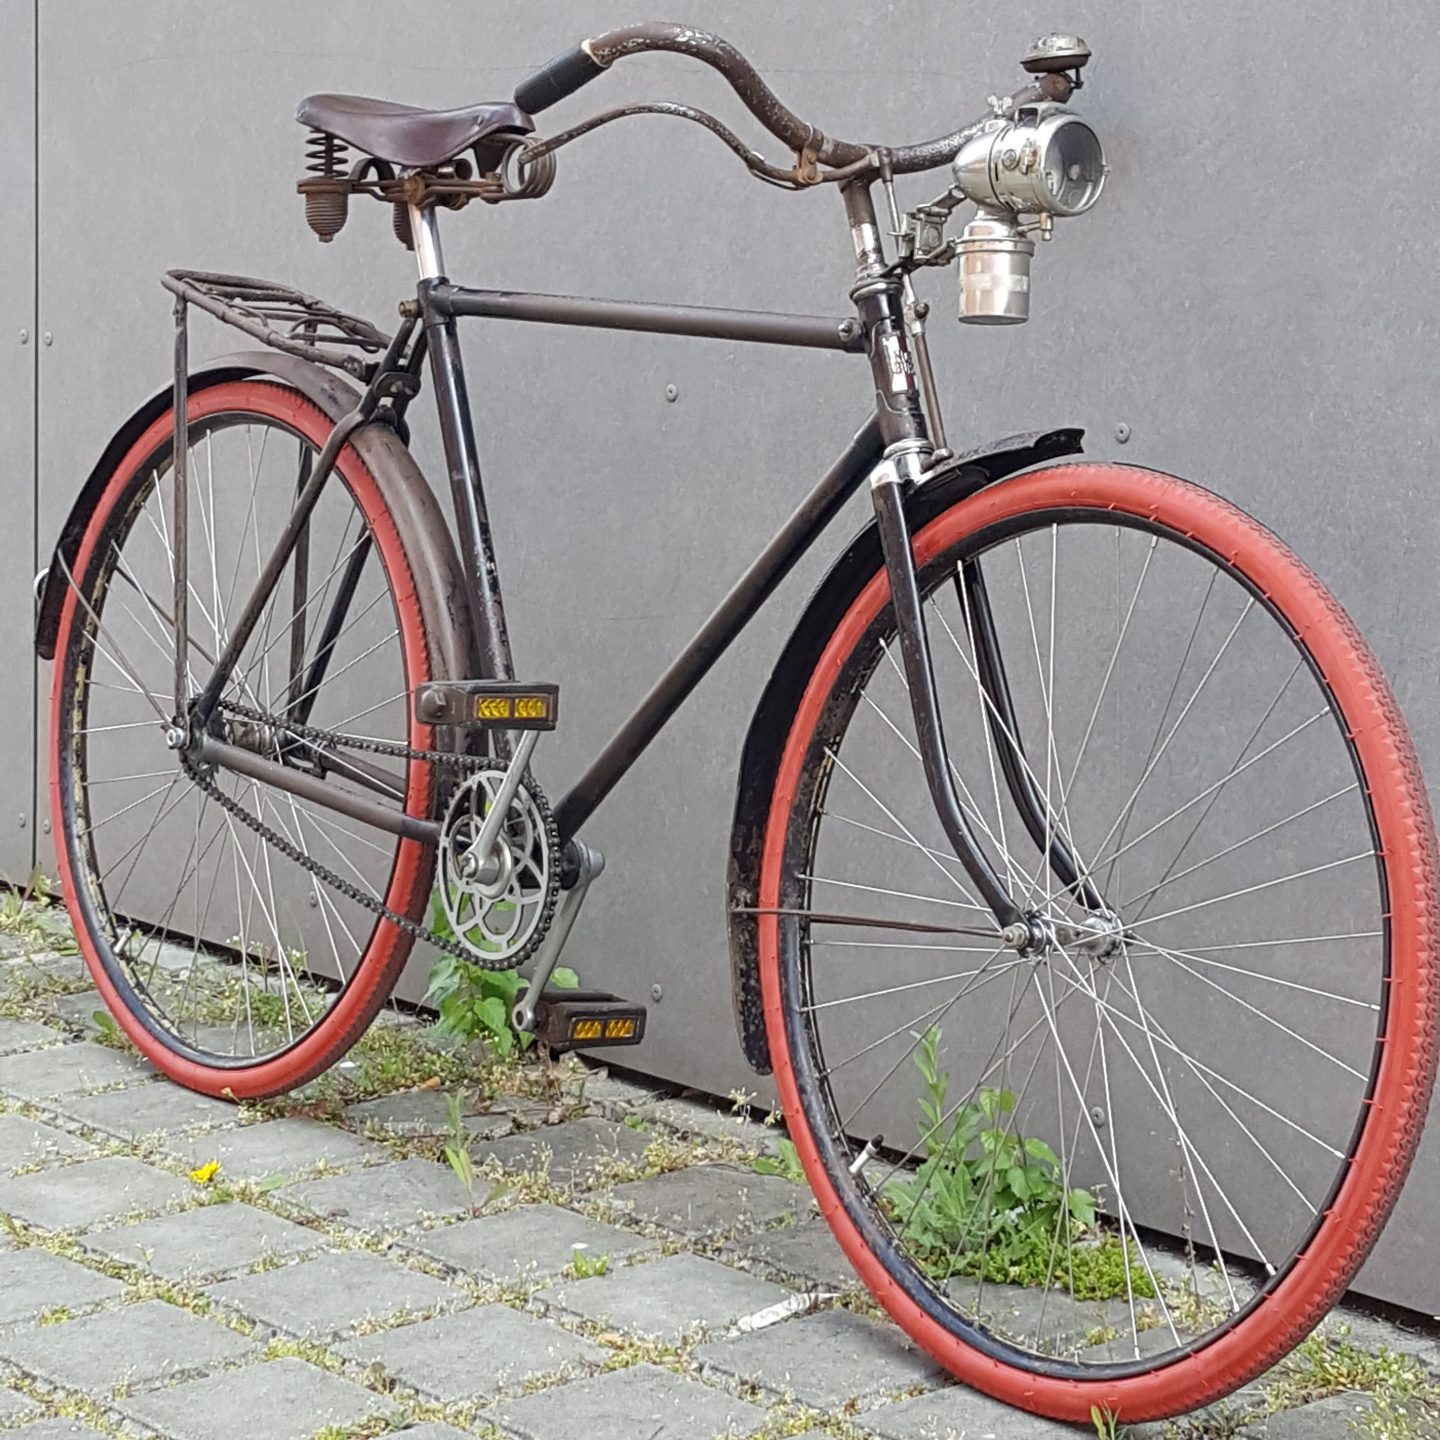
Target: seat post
[425,230]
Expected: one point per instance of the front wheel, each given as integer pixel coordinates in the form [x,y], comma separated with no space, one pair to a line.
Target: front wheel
[1132,1167]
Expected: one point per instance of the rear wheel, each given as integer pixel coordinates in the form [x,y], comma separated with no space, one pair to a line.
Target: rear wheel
[1132,1168]
[233,968]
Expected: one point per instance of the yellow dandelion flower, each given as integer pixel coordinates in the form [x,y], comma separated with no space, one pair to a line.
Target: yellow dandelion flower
[206,1173]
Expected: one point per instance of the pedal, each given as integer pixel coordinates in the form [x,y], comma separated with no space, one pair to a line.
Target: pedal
[488,704]
[587,1019]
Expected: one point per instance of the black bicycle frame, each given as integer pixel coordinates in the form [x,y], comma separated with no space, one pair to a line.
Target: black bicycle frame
[892,450]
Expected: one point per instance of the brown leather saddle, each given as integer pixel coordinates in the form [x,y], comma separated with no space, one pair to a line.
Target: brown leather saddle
[406,135]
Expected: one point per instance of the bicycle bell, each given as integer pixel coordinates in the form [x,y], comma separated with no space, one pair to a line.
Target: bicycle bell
[1039,160]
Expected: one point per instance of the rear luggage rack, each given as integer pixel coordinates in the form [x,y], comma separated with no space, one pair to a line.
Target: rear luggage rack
[284,318]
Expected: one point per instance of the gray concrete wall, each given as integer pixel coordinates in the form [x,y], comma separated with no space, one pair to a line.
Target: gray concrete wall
[1254,298]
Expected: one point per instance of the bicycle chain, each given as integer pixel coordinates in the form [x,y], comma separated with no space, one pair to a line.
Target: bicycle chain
[271,836]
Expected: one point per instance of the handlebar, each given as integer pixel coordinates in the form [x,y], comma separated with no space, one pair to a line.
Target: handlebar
[582,63]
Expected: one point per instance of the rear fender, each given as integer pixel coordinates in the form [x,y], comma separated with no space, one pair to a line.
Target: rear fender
[770,725]
[406,494]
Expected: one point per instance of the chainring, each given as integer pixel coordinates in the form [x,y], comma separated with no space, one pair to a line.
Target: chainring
[467,765]
[499,907]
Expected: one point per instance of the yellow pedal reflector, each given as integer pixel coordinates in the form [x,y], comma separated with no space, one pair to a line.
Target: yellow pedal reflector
[576,1019]
[508,704]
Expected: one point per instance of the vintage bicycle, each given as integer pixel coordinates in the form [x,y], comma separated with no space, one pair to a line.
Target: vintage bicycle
[1081,893]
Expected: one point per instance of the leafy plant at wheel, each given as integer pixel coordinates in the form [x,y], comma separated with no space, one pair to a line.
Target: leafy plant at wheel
[988,1201]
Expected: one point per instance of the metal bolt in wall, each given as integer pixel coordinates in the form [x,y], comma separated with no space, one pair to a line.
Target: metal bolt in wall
[24,337]
[672,393]
[1122,432]
[49,338]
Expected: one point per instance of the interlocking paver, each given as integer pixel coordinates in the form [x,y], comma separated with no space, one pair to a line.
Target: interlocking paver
[23,1142]
[426,1112]
[209,1241]
[78,1010]
[959,1413]
[827,1360]
[156,1109]
[76,1197]
[135,1344]
[280,1400]
[18,1035]
[1047,1321]
[293,1146]
[532,1241]
[474,1354]
[385,1198]
[333,1293]
[667,1298]
[1337,1417]
[34,1281]
[13,1405]
[707,1200]
[56,1429]
[639,1403]
[69,1070]
[579,1153]
[807,1253]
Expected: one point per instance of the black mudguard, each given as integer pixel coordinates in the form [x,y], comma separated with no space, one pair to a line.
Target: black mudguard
[407,496]
[770,725]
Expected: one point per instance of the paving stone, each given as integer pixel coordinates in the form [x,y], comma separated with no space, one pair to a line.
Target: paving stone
[156,1109]
[56,1429]
[281,1400]
[532,1241]
[667,1298]
[13,1405]
[639,1403]
[1334,1418]
[47,964]
[293,1146]
[34,1281]
[806,1253]
[133,1345]
[333,1293]
[430,1430]
[200,1243]
[69,1070]
[22,1142]
[385,1198]
[828,1360]
[426,1112]
[579,1153]
[20,1035]
[76,1197]
[707,1200]
[78,1010]
[1368,1333]
[1049,1321]
[473,1355]
[959,1413]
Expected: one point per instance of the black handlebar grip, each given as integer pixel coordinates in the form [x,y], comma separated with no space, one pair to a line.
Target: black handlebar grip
[556,79]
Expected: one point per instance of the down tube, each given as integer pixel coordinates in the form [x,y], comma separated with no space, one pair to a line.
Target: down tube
[736,611]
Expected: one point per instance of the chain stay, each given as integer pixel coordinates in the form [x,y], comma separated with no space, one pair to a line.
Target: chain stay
[466,763]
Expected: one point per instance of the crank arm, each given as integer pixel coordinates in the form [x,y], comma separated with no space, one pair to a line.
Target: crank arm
[590,864]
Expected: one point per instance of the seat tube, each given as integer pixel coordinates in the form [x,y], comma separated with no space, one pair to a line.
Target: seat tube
[457,433]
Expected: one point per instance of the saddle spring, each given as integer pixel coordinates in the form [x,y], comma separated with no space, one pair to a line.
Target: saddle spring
[327,196]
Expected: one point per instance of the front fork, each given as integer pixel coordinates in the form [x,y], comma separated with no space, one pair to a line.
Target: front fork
[897,361]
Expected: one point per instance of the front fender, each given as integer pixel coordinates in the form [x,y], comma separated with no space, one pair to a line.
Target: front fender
[770,725]
[384,452]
